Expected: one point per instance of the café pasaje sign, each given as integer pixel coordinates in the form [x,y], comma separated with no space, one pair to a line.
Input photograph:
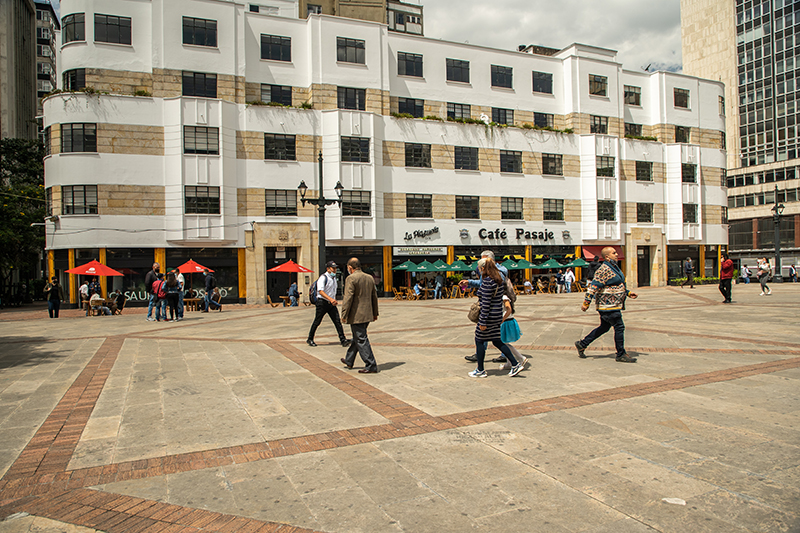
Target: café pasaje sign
[521,233]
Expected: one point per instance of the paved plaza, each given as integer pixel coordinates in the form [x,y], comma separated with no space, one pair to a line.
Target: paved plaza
[230,422]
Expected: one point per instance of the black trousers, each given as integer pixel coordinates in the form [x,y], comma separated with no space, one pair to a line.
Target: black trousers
[361,345]
[52,307]
[725,288]
[324,307]
[608,320]
[689,279]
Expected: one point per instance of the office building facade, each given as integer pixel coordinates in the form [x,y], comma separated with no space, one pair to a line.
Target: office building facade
[17,69]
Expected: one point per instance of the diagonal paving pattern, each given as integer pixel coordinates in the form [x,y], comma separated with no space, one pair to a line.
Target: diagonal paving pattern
[228,422]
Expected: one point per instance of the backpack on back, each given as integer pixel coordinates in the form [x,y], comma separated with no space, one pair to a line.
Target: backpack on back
[509,291]
[160,292]
[312,292]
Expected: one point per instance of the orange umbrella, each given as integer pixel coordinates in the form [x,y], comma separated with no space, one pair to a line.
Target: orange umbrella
[289,266]
[93,268]
[190,267]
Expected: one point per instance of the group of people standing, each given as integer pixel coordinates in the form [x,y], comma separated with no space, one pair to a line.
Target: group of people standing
[168,292]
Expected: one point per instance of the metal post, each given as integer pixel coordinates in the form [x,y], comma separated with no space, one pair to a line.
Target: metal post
[777,209]
[321,234]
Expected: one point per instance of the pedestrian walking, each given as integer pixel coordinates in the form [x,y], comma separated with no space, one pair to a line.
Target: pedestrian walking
[726,278]
[293,294]
[173,289]
[475,284]
[438,285]
[746,274]
[593,266]
[569,279]
[182,284]
[764,275]
[149,278]
[359,308]
[688,271]
[560,284]
[54,294]
[511,332]
[490,318]
[326,304]
[609,292]
[792,274]
[210,285]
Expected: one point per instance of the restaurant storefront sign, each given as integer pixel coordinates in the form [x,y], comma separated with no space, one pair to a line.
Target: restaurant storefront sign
[518,233]
[419,250]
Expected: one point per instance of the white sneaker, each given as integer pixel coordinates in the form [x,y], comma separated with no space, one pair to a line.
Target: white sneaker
[762,294]
[506,366]
[478,374]
[769,293]
[515,370]
[524,360]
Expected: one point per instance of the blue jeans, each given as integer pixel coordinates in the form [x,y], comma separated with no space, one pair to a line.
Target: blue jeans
[746,281]
[150,305]
[52,307]
[437,292]
[208,301]
[293,300]
[480,351]
[180,304]
[608,320]
[161,309]
[569,285]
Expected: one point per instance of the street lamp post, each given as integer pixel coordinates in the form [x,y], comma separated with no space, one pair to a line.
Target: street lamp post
[777,211]
[321,204]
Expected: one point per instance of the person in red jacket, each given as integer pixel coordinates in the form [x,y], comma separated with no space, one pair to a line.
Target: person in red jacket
[725,278]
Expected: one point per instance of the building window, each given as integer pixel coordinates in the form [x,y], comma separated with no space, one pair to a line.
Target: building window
[419,206]
[418,155]
[598,124]
[112,29]
[313,9]
[276,48]
[690,213]
[605,166]
[633,130]
[510,161]
[356,203]
[722,106]
[502,116]
[43,33]
[511,208]
[722,141]
[79,200]
[458,111]
[73,28]
[200,140]
[543,120]
[74,80]
[688,173]
[279,94]
[468,207]
[48,201]
[280,147]
[43,51]
[413,106]
[350,50]
[598,85]
[633,95]
[48,149]
[350,98]
[502,76]
[201,200]
[740,235]
[199,84]
[409,64]
[682,134]
[724,215]
[466,158]
[355,149]
[607,210]
[542,82]
[644,171]
[201,32]
[644,212]
[552,209]
[681,97]
[552,164]
[457,70]
[79,137]
[44,68]
[281,203]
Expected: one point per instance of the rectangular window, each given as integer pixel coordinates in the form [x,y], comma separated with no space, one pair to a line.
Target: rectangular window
[681,97]
[199,84]
[633,130]
[48,149]
[605,166]
[543,120]
[200,140]
[456,111]
[722,141]
[355,149]
[201,32]
[502,116]
[510,161]
[511,208]
[690,213]
[644,171]
[419,206]
[74,80]
[688,173]
[350,98]
[79,137]
[280,147]
[112,29]
[279,94]
[682,134]
[542,82]
[73,27]
[313,9]
[598,85]
[599,124]
[457,70]
[350,50]
[276,48]
[281,203]
[502,76]
[201,200]
[356,203]
[552,165]
[607,210]
[633,95]
[43,33]
[552,209]
[722,106]
[466,158]
[468,207]
[644,212]
[418,155]
[48,201]
[79,200]
[413,106]
[409,64]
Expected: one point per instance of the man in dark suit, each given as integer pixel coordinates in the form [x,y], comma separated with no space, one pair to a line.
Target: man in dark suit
[359,308]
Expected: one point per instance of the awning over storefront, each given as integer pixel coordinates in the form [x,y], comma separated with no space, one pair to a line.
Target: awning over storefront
[590,251]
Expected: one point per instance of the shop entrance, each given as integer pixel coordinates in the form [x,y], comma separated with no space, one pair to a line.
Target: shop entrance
[278,282]
[644,266]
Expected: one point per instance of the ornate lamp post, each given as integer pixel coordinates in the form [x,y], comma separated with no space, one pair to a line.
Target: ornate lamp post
[321,204]
[777,211]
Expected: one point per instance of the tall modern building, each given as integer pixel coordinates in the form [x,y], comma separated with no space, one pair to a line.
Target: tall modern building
[17,69]
[46,25]
[753,47]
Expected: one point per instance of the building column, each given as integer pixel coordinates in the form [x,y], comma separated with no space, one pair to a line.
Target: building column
[242,276]
[51,264]
[387,270]
[719,260]
[664,273]
[103,279]
[451,256]
[797,231]
[528,257]
[73,280]
[701,267]
[578,270]
[160,257]
[755,234]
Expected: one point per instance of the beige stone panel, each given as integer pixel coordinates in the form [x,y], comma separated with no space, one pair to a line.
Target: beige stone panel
[660,214]
[230,88]
[616,126]
[119,81]
[56,204]
[532,163]
[307,147]
[241,202]
[167,83]
[488,160]
[249,145]
[627,212]
[476,111]
[712,214]
[55,139]
[324,96]
[627,170]
[711,176]
[533,209]
[659,172]
[300,95]
[377,102]
[442,157]
[571,165]
[572,210]
[444,206]
[394,205]
[436,108]
[523,116]
[131,200]
[490,207]
[560,122]
[394,154]
[579,122]
[130,139]
[252,92]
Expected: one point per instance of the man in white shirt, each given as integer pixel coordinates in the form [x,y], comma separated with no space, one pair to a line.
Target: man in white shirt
[84,292]
[182,283]
[326,304]
[96,302]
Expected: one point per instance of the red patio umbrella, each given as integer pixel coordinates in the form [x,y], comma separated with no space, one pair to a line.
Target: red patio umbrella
[190,267]
[93,268]
[289,266]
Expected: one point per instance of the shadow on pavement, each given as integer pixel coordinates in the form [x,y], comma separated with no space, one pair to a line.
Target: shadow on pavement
[383,367]
[28,351]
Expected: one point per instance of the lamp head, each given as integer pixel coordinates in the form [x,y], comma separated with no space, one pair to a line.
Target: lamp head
[302,188]
[339,189]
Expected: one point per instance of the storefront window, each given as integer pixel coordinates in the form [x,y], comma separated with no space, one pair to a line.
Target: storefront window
[223,261]
[133,263]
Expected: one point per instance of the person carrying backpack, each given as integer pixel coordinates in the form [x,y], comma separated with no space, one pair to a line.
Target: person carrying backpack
[160,293]
[211,284]
[323,295]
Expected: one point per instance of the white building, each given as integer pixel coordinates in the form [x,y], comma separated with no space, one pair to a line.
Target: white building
[183,158]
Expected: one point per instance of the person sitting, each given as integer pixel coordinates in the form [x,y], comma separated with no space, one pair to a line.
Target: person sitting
[96,303]
[419,288]
[294,294]
[215,302]
[528,287]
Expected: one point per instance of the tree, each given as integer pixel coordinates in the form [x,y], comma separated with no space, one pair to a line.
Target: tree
[22,203]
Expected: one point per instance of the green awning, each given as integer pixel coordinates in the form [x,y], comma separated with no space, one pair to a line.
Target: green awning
[425,266]
[550,263]
[441,265]
[460,266]
[519,264]
[405,266]
[577,263]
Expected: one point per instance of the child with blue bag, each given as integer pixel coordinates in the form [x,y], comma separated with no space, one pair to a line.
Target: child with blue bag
[510,332]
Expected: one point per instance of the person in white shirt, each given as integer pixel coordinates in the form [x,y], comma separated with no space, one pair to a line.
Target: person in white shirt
[746,274]
[326,305]
[182,283]
[96,303]
[84,292]
[569,279]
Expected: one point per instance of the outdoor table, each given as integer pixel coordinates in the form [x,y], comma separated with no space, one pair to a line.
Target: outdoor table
[102,301]
[285,300]
[191,303]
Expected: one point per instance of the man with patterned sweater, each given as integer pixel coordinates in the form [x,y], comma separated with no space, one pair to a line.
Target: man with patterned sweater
[609,291]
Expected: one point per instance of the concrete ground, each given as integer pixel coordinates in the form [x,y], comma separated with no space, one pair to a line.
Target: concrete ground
[230,422]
